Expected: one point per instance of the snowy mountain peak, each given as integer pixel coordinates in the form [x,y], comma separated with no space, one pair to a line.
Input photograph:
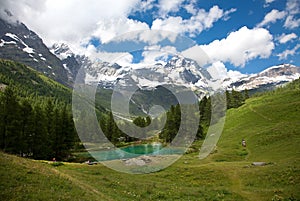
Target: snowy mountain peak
[283,69]
[179,61]
[269,78]
[61,50]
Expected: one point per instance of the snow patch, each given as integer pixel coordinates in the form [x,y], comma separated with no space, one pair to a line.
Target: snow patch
[3,42]
[13,36]
[28,50]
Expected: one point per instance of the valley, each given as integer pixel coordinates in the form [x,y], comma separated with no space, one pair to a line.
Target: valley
[149,102]
[268,123]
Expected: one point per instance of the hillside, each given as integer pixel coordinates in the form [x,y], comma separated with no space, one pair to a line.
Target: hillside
[28,81]
[20,44]
[269,123]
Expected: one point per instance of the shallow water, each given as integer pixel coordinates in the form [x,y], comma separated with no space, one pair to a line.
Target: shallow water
[135,151]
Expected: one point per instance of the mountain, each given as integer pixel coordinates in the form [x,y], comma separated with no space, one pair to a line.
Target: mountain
[70,61]
[58,62]
[186,72]
[177,71]
[30,82]
[267,79]
[20,44]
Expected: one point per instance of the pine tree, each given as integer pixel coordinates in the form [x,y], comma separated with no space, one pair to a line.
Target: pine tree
[27,125]
[39,143]
[10,131]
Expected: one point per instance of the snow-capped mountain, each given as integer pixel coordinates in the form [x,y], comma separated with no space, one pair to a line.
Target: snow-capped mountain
[70,61]
[20,44]
[177,71]
[186,72]
[267,79]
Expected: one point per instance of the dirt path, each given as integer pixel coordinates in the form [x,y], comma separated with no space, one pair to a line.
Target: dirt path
[237,186]
[92,192]
[261,115]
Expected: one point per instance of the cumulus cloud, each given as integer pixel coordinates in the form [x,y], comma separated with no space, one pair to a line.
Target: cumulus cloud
[167,6]
[219,71]
[156,53]
[238,47]
[195,24]
[286,53]
[190,8]
[110,28]
[143,6]
[272,17]
[284,38]
[122,58]
[68,20]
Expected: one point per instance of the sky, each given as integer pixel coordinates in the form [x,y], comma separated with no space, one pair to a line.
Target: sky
[232,36]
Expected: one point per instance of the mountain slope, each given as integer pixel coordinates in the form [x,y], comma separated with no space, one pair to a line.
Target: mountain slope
[20,44]
[268,79]
[270,125]
[29,81]
[32,180]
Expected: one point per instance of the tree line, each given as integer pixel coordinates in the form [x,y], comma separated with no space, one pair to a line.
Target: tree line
[35,127]
[234,99]
[43,128]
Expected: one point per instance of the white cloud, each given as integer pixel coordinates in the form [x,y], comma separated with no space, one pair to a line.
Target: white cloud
[69,20]
[287,53]
[239,47]
[190,8]
[272,17]
[122,58]
[268,2]
[167,6]
[155,54]
[145,5]
[194,25]
[284,38]
[291,22]
[219,72]
[293,8]
[110,28]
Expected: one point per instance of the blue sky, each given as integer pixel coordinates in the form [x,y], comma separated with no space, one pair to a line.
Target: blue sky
[246,36]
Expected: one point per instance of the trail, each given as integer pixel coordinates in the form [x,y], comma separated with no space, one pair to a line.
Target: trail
[84,186]
[261,115]
[237,186]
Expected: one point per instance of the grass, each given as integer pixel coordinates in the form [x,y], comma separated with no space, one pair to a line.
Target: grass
[269,124]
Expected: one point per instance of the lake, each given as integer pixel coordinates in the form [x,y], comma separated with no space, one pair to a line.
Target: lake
[135,151]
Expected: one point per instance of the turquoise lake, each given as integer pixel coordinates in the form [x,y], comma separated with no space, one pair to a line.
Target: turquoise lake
[135,151]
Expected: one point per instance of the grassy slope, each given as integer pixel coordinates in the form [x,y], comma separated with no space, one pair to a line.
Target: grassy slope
[30,81]
[269,123]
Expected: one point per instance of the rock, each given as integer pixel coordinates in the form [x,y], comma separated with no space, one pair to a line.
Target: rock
[259,163]
[140,161]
